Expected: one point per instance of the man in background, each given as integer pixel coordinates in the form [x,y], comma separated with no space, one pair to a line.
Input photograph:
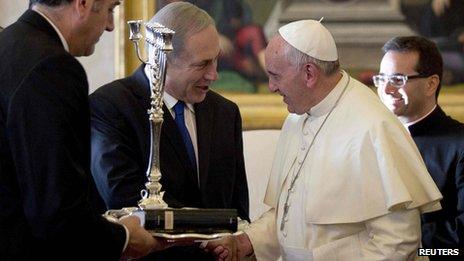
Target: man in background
[201,150]
[45,183]
[409,84]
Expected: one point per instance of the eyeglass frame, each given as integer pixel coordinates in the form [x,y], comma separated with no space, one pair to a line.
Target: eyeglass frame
[406,79]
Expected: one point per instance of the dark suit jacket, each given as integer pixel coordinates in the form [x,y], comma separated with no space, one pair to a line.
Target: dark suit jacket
[440,140]
[121,145]
[45,180]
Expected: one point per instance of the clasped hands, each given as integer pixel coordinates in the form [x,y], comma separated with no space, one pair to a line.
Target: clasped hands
[230,248]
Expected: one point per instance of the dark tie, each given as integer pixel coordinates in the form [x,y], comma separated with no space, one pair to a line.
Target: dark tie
[180,121]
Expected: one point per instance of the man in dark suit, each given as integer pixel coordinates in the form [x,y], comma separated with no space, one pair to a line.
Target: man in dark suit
[45,180]
[409,84]
[209,172]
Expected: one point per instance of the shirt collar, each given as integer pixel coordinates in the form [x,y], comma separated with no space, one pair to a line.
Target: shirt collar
[421,118]
[324,106]
[63,40]
[169,101]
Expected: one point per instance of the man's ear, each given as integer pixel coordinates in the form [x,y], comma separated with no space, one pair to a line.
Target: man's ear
[311,72]
[432,85]
[83,7]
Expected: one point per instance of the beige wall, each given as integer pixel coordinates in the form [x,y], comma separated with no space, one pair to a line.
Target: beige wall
[99,67]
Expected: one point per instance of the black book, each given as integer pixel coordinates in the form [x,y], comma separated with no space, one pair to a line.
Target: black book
[200,221]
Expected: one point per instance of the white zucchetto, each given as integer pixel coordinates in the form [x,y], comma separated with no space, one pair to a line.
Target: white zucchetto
[311,38]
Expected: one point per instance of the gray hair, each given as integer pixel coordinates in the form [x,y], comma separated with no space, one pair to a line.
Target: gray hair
[185,19]
[298,58]
[49,2]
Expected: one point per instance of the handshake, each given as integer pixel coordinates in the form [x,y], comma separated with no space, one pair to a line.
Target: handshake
[230,248]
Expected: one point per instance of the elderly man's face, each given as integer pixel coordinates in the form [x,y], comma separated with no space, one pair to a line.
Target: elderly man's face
[405,102]
[189,76]
[284,78]
[97,17]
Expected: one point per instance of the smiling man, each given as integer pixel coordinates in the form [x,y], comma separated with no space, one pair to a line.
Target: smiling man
[409,84]
[201,155]
[347,182]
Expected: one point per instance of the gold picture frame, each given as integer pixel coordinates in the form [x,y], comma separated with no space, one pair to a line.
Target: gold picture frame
[126,60]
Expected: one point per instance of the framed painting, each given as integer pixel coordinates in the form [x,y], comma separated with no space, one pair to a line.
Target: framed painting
[360,27]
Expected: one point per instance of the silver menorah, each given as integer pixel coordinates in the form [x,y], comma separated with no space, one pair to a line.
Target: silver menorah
[159,42]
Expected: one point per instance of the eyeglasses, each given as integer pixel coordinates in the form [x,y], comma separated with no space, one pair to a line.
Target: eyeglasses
[397,80]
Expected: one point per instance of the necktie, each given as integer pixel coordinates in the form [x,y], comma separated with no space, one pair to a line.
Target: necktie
[180,121]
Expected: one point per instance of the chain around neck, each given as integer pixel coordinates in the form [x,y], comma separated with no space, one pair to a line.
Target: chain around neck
[295,177]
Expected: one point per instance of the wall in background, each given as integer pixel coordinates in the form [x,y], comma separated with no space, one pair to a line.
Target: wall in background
[261,9]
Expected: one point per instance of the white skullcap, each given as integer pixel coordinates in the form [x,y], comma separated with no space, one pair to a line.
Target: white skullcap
[311,38]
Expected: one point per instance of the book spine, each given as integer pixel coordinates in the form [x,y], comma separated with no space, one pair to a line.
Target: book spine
[202,221]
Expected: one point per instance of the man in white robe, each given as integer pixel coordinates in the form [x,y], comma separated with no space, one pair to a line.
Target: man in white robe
[356,180]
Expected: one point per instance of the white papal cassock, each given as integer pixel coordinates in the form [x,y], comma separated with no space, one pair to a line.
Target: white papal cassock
[361,188]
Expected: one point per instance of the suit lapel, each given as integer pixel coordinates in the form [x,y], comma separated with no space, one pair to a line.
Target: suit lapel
[142,88]
[204,115]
